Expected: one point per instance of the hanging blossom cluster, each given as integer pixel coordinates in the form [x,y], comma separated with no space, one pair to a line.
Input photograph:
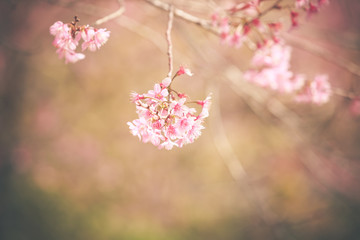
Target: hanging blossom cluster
[68,35]
[270,69]
[165,119]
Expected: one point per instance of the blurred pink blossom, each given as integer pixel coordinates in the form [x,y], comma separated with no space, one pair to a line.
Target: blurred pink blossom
[355,107]
[301,3]
[271,69]
[94,38]
[318,91]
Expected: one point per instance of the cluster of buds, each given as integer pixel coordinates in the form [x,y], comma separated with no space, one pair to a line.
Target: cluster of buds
[165,120]
[235,24]
[68,35]
[310,7]
[317,91]
[270,69]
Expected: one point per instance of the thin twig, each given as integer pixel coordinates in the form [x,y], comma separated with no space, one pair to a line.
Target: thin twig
[143,31]
[342,93]
[113,15]
[168,39]
[205,24]
[263,13]
[309,47]
[223,144]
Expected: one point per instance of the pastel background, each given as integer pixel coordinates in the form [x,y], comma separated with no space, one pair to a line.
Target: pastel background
[262,169]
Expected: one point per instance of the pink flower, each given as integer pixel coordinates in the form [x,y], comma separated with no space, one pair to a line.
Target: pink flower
[236,40]
[158,92]
[271,69]
[355,107]
[272,55]
[305,96]
[250,8]
[214,19]
[59,28]
[205,104]
[70,55]
[224,28]
[276,26]
[318,91]
[94,38]
[294,18]
[166,82]
[65,42]
[138,127]
[67,37]
[168,144]
[312,9]
[183,70]
[301,3]
[164,120]
[135,97]
[323,2]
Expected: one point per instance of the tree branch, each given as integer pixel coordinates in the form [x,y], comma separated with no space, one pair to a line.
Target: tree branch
[168,39]
[205,24]
[113,15]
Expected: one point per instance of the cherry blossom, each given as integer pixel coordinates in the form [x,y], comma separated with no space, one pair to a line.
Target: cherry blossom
[235,23]
[165,119]
[309,7]
[317,91]
[301,3]
[271,69]
[68,35]
[294,18]
[323,2]
[183,70]
[69,55]
[94,38]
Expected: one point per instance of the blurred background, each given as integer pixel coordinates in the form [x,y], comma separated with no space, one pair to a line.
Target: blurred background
[264,167]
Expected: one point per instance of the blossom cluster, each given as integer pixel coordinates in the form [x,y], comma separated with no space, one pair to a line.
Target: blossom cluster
[165,119]
[308,6]
[235,24]
[271,69]
[228,34]
[68,35]
[317,91]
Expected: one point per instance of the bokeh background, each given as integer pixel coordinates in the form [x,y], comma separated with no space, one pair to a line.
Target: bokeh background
[264,167]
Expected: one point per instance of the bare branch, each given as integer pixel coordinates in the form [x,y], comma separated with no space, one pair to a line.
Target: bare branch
[205,24]
[168,39]
[143,31]
[223,144]
[113,15]
[342,93]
